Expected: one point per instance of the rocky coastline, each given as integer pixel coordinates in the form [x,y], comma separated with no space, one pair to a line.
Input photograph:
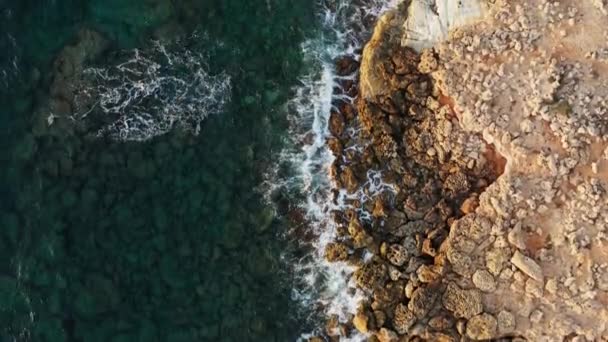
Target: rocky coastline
[464,241]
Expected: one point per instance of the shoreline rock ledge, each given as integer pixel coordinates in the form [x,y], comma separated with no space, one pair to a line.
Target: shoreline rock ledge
[488,123]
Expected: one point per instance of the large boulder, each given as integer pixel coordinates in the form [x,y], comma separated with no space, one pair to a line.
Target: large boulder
[430,21]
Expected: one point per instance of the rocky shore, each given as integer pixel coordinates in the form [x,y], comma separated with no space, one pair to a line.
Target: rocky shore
[490,139]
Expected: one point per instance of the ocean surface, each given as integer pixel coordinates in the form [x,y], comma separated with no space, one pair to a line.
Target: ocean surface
[164,169]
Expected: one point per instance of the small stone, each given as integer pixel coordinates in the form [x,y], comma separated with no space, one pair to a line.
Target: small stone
[397,255]
[463,303]
[534,288]
[427,247]
[516,237]
[506,322]
[426,274]
[551,286]
[441,323]
[409,289]
[386,335]
[484,281]
[461,326]
[380,317]
[528,266]
[428,61]
[469,205]
[379,208]
[496,260]
[360,322]
[536,316]
[482,327]
[336,123]
[370,276]
[393,273]
[422,301]
[403,319]
[336,252]
[349,180]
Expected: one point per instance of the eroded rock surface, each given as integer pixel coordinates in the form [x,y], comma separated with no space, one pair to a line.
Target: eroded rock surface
[493,135]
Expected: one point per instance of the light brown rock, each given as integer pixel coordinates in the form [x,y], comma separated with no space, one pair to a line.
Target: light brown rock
[360,322]
[528,266]
[386,335]
[463,303]
[484,281]
[482,327]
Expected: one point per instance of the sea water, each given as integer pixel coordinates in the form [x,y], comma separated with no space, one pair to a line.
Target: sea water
[157,207]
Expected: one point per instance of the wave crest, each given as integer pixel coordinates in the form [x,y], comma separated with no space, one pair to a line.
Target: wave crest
[154,91]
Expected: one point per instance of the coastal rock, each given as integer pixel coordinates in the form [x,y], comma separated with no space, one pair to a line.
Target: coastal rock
[374,78]
[336,124]
[528,266]
[422,301]
[516,237]
[360,322]
[484,281]
[349,180]
[370,276]
[336,252]
[430,22]
[428,61]
[403,319]
[397,255]
[482,327]
[441,323]
[386,335]
[463,303]
[506,322]
[469,205]
[497,259]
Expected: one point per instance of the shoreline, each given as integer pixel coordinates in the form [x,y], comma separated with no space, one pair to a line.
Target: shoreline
[444,240]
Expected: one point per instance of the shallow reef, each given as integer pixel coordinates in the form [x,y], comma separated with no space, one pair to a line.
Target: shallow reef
[167,240]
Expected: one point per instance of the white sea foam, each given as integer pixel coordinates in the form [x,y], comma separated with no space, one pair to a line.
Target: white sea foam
[152,92]
[324,286]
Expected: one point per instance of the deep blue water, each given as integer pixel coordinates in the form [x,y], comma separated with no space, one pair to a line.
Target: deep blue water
[163,240]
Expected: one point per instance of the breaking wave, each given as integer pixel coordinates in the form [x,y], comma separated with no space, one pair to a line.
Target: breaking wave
[150,93]
[325,286]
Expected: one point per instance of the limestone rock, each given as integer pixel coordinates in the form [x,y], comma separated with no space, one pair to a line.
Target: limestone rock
[516,237]
[403,319]
[482,327]
[469,205]
[386,335]
[336,252]
[506,322]
[360,322]
[463,303]
[428,61]
[484,281]
[422,301]
[397,255]
[370,276]
[430,21]
[528,266]
[496,260]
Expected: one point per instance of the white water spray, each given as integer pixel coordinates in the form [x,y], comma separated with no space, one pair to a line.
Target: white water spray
[327,286]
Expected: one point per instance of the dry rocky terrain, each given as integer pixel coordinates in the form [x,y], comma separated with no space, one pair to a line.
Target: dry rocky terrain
[494,138]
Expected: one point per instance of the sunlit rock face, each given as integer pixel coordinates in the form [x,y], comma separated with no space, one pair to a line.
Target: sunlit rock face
[429,21]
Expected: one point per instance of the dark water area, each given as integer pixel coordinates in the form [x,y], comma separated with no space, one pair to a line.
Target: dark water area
[162,240]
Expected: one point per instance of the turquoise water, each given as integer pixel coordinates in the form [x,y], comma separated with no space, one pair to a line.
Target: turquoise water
[162,240]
